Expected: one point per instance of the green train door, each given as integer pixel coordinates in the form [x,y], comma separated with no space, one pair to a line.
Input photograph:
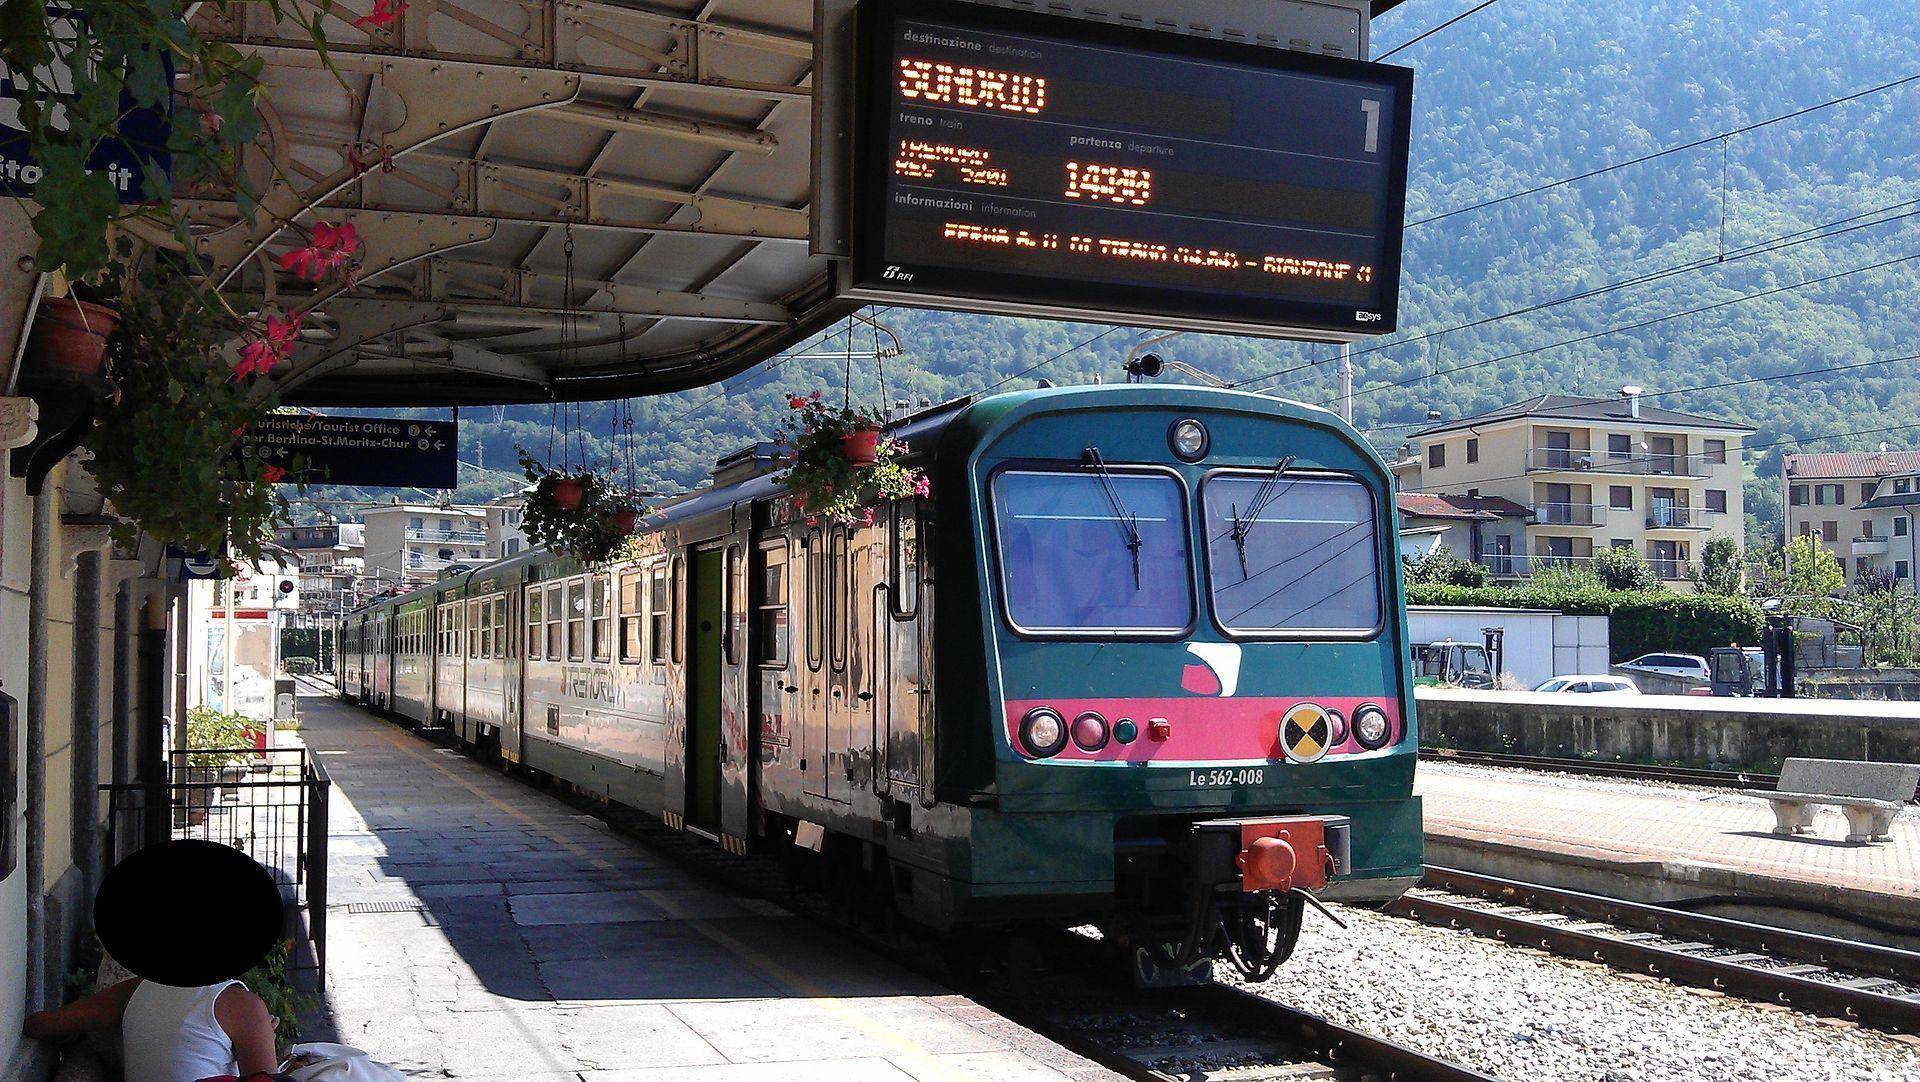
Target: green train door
[705,663]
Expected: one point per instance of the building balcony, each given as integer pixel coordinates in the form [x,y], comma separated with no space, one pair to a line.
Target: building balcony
[1682,517]
[1638,464]
[1519,565]
[447,537]
[1569,514]
[1870,546]
[1671,570]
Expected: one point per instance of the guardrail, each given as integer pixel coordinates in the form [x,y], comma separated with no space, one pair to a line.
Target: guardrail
[1569,514]
[462,537]
[1642,464]
[270,804]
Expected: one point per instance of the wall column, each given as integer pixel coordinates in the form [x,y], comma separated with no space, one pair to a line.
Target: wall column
[33,760]
[86,723]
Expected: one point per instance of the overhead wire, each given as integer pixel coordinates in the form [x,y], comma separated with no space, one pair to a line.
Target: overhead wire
[1418,38]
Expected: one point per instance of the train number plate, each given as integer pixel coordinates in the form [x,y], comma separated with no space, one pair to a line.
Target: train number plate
[1223,776]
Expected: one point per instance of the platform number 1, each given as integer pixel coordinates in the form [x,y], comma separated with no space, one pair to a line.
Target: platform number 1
[1372,109]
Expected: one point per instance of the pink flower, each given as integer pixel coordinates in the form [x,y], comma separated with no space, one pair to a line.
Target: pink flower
[273,475]
[795,402]
[813,520]
[258,357]
[331,246]
[383,14]
[922,486]
[866,516]
[816,396]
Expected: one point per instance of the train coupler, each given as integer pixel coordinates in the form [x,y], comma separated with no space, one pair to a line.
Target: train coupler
[1277,853]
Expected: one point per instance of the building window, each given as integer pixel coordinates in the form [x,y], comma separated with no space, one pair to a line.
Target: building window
[416,523]
[1716,451]
[1436,455]
[1620,497]
[1860,565]
[1473,450]
[1717,500]
[1797,496]
[1806,529]
[1619,445]
[1830,531]
[1900,526]
[1866,490]
[1902,485]
[1899,569]
[1620,543]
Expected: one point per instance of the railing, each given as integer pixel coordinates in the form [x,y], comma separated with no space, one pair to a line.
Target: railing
[1640,463]
[1521,564]
[1671,570]
[1569,514]
[270,805]
[457,537]
[1680,517]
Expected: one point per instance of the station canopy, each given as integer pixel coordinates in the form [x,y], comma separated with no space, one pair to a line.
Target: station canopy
[556,200]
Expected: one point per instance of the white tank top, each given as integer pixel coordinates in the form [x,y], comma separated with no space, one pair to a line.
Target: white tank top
[169,1034]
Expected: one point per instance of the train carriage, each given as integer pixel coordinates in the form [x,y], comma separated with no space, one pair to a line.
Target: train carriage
[1138,660]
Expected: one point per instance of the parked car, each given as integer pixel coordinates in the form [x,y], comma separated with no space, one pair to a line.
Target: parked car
[1684,666]
[1589,685]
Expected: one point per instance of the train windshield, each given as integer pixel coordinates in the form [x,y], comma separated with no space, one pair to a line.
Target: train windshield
[1291,554]
[1100,551]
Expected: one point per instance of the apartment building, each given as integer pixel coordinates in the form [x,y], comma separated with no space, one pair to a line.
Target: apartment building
[1889,541]
[413,543]
[1595,473]
[504,535]
[1826,497]
[1429,521]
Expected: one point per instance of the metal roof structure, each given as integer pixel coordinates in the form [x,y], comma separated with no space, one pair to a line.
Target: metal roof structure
[557,199]
[1808,467]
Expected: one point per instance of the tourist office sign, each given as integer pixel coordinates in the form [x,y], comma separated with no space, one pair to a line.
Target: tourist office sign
[364,452]
[1030,164]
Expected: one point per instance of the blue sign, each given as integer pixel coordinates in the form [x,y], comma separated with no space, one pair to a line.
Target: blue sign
[128,162]
[366,452]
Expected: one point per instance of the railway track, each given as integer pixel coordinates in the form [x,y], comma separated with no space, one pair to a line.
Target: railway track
[1723,779]
[1875,986]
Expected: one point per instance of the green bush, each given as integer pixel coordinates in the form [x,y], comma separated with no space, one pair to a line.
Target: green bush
[299,666]
[215,738]
[1623,568]
[1639,621]
[1441,567]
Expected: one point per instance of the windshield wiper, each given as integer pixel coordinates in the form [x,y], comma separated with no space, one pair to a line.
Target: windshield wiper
[1263,497]
[1129,522]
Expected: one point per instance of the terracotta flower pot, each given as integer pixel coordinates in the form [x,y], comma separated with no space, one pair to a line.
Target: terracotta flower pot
[567,493]
[627,521]
[862,446]
[71,334]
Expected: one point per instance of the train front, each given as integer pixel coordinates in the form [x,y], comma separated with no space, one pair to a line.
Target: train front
[1190,620]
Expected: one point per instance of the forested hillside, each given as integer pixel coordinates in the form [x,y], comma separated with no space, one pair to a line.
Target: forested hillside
[1517,96]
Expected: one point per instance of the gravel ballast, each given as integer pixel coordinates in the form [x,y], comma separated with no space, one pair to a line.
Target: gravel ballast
[1525,1016]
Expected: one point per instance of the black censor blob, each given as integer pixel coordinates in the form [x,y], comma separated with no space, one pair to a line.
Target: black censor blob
[188,913]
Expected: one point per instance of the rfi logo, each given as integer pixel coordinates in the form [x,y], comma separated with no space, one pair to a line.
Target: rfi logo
[896,273]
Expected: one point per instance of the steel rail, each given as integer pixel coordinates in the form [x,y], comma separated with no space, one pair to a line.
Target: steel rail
[1734,975]
[1724,779]
[1341,1046]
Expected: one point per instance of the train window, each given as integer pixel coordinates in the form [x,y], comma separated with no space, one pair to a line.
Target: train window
[602,618]
[577,620]
[500,625]
[730,612]
[1302,555]
[839,584]
[816,598]
[632,620]
[770,608]
[1093,551]
[679,609]
[534,622]
[476,630]
[904,555]
[657,616]
[556,622]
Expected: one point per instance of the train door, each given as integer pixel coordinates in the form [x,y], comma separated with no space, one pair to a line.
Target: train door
[705,676]
[735,776]
[518,633]
[809,720]
[906,672]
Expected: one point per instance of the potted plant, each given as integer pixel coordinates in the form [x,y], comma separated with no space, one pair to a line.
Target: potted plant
[218,743]
[842,462]
[70,334]
[594,524]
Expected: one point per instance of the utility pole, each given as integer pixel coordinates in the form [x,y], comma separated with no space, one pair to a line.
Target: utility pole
[1346,382]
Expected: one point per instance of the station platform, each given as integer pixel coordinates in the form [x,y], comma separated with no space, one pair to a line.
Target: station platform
[1665,843]
[478,928]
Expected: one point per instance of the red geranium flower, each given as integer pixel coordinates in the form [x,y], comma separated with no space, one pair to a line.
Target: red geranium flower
[273,475]
[383,14]
[331,247]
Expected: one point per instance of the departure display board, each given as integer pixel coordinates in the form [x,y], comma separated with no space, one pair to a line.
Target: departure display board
[1052,166]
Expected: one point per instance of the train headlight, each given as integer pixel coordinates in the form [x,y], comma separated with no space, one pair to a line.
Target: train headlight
[1371,727]
[1043,732]
[1189,440]
[1090,731]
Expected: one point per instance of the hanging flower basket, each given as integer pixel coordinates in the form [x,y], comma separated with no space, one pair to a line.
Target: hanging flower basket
[579,515]
[566,492]
[843,463]
[70,334]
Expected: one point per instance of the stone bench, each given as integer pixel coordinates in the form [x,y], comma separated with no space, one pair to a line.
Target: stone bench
[1868,794]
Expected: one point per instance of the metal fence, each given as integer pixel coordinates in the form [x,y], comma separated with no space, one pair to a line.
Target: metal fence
[270,805]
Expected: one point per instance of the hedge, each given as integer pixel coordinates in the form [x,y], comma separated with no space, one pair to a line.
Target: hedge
[1640,621]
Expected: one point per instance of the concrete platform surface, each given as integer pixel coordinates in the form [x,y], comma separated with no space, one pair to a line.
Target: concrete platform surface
[480,929]
[1687,842]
